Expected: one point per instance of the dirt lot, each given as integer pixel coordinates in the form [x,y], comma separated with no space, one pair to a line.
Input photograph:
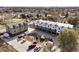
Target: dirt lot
[4,47]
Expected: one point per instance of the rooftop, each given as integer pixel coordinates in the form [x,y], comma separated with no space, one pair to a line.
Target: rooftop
[53,23]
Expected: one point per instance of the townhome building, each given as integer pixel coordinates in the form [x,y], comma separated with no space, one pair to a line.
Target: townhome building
[53,27]
[14,29]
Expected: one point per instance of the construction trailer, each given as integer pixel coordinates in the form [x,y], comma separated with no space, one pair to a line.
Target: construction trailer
[14,29]
[53,27]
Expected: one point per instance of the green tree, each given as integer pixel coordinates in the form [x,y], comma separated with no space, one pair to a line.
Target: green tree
[68,40]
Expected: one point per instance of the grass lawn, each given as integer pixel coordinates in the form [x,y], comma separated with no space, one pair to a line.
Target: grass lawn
[17,20]
[2,27]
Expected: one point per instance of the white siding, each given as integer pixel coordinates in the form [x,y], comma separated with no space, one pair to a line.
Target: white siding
[53,25]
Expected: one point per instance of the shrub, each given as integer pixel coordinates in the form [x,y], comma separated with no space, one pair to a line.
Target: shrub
[68,40]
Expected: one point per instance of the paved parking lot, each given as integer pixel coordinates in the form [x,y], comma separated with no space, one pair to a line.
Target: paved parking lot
[23,47]
[46,34]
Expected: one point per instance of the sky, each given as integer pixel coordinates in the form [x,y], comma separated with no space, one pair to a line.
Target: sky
[38,3]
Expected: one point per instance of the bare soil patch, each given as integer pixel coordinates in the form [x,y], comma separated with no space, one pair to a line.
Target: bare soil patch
[5,47]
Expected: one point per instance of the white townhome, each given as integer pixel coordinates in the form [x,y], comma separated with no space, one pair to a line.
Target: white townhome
[53,27]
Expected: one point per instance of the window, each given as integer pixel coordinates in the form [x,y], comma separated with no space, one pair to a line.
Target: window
[59,28]
[13,26]
[45,23]
[68,27]
[55,26]
[19,25]
[50,24]
[62,27]
[41,23]
[24,24]
[37,21]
